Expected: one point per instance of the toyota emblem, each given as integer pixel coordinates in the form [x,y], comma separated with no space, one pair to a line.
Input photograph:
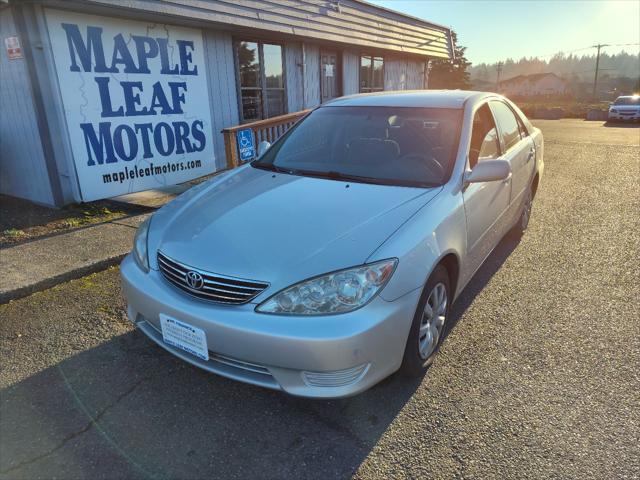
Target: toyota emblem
[195,280]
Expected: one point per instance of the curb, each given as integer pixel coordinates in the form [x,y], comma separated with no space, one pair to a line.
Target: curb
[6,297]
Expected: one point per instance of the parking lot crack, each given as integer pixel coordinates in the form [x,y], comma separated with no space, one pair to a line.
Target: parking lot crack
[93,422]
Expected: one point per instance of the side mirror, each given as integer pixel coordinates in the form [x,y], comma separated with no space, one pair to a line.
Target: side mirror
[488,171]
[263,146]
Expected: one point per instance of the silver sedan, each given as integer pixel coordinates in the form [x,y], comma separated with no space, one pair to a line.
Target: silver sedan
[332,260]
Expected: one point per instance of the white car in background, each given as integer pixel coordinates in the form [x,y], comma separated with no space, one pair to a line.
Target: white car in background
[626,107]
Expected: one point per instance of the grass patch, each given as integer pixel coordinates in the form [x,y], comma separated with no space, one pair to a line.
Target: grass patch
[92,214]
[14,233]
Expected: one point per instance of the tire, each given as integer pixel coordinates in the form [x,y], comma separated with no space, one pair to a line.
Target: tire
[525,213]
[417,359]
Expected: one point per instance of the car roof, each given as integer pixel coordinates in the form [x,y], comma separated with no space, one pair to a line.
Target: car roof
[411,98]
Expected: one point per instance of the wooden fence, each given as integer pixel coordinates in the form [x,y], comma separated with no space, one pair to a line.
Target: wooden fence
[270,130]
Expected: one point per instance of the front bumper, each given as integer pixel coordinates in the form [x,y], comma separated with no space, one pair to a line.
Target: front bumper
[321,356]
[619,116]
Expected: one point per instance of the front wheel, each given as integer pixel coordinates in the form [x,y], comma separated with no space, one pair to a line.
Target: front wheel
[426,334]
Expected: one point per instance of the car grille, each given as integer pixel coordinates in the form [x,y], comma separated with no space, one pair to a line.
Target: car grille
[215,288]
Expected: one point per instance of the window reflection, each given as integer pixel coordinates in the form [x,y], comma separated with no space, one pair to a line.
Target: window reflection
[249,62]
[371,74]
[273,66]
[252,104]
[261,75]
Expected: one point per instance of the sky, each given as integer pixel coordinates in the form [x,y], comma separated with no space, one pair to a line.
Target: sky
[500,29]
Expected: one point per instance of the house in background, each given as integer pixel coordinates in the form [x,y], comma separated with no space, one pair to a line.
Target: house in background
[483,85]
[105,97]
[536,85]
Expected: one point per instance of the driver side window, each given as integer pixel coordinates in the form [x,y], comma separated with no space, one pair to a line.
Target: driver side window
[484,137]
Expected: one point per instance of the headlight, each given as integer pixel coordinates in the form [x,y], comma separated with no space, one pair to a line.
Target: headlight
[337,292]
[140,251]
[613,110]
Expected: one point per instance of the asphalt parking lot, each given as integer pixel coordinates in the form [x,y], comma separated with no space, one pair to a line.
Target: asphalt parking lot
[539,377]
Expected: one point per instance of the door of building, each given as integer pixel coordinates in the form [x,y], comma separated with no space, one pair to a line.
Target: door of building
[329,76]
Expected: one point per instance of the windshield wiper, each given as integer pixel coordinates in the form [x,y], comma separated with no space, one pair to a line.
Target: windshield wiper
[345,177]
[271,167]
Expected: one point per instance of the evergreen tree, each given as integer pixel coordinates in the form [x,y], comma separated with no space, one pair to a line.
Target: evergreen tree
[451,74]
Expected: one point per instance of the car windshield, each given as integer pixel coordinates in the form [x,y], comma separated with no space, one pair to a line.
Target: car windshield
[627,101]
[382,145]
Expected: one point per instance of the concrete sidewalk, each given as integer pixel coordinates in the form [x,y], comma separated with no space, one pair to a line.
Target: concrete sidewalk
[42,263]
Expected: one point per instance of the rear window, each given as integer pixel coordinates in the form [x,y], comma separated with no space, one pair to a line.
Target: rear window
[386,145]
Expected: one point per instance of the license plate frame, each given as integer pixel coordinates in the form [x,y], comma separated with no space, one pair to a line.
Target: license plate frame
[184,336]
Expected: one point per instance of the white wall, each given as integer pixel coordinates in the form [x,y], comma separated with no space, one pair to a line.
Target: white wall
[23,171]
[403,74]
[312,76]
[221,72]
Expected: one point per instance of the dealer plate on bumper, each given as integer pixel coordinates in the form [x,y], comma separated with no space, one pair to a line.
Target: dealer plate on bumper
[184,336]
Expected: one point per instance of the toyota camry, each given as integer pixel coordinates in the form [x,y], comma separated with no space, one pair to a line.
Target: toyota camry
[332,260]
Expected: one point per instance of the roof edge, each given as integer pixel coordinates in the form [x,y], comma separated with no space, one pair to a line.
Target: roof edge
[401,14]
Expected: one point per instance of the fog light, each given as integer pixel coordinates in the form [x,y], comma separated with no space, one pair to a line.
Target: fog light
[337,378]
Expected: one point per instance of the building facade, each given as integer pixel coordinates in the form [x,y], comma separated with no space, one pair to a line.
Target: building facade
[105,97]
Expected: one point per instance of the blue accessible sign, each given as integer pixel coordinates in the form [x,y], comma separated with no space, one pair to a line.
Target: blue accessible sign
[246,146]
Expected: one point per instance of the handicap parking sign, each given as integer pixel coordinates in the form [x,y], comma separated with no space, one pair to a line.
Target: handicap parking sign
[246,146]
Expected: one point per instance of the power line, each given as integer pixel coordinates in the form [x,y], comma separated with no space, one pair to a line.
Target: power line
[562,52]
[622,44]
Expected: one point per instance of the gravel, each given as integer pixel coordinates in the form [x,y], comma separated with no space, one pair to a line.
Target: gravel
[538,378]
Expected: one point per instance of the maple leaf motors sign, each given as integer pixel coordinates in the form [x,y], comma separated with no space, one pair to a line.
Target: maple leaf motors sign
[135,100]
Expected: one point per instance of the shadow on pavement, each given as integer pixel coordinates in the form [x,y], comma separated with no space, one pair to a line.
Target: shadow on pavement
[129,409]
[621,125]
[491,265]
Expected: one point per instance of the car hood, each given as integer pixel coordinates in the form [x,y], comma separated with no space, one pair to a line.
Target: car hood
[280,228]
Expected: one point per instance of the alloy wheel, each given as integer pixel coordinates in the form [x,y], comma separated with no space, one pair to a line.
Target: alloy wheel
[433,319]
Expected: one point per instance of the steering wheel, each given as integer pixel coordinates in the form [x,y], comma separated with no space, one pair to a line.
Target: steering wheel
[434,167]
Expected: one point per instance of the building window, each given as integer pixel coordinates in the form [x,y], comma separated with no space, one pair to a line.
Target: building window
[261,76]
[371,74]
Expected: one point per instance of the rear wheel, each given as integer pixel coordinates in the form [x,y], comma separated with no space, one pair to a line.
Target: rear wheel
[426,334]
[525,214]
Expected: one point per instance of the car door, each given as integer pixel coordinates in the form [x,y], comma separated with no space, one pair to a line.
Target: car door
[518,149]
[485,203]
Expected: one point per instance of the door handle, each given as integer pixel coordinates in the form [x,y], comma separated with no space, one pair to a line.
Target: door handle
[532,153]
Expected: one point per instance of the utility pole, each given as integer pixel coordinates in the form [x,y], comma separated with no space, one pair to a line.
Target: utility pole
[499,66]
[595,78]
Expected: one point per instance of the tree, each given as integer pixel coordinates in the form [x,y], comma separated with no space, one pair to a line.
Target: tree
[451,74]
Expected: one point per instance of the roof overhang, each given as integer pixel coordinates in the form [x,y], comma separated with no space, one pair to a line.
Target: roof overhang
[353,23]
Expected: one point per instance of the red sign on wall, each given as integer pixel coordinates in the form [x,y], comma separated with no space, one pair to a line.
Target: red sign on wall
[12,44]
